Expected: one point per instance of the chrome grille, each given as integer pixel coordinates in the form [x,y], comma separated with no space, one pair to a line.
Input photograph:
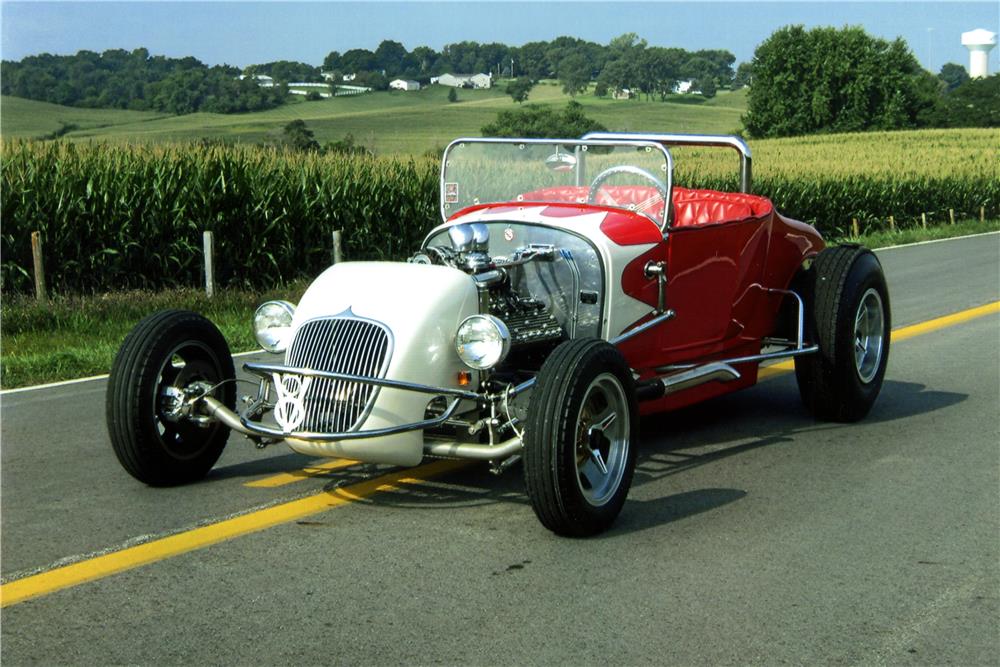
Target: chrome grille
[339,345]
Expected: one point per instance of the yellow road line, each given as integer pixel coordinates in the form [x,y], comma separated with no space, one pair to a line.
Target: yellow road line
[198,538]
[902,333]
[102,566]
[299,475]
[946,321]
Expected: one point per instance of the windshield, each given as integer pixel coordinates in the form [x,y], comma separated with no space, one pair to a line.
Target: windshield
[631,175]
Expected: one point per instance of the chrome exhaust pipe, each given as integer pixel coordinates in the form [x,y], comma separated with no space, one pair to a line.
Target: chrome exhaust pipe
[650,390]
[216,410]
[461,450]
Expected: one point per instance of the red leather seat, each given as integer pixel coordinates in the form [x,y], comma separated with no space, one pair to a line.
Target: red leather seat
[691,207]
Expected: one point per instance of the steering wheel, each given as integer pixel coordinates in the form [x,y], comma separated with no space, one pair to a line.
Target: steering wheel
[660,186]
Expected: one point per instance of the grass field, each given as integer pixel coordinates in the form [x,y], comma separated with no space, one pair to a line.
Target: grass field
[30,119]
[394,122]
[78,336]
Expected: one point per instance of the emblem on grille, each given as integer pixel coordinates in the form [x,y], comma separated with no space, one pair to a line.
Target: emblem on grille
[290,411]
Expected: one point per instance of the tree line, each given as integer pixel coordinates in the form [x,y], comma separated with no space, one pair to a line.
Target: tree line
[119,79]
[135,80]
[800,81]
[626,62]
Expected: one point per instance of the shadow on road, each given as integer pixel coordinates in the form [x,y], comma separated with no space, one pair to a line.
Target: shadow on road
[670,444]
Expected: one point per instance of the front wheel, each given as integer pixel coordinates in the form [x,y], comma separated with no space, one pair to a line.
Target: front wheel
[164,363]
[579,440]
[850,321]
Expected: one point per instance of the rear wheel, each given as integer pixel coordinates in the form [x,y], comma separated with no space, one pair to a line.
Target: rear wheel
[848,317]
[580,438]
[169,358]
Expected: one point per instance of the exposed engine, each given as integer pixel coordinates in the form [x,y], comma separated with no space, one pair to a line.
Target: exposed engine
[533,327]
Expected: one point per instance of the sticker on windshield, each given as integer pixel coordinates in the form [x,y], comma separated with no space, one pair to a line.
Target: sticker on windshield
[451,193]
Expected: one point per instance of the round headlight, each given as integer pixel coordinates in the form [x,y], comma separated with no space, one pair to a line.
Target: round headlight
[272,325]
[482,341]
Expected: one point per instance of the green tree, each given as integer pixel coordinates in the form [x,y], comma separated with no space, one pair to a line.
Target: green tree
[744,75]
[535,120]
[975,103]
[574,74]
[953,75]
[519,88]
[296,135]
[706,86]
[346,146]
[452,95]
[389,57]
[332,61]
[830,80]
[358,60]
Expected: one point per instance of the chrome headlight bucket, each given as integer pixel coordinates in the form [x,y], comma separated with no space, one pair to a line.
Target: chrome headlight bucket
[272,325]
[482,341]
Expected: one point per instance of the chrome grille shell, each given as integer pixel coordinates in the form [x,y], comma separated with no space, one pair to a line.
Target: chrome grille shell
[340,344]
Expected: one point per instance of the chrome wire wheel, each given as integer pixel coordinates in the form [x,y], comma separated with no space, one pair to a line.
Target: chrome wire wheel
[869,335]
[602,442]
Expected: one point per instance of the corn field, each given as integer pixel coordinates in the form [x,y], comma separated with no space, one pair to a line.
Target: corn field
[114,217]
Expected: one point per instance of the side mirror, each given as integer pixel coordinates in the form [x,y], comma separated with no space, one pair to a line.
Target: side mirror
[561,161]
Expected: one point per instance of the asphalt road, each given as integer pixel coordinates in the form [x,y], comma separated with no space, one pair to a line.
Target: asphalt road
[751,535]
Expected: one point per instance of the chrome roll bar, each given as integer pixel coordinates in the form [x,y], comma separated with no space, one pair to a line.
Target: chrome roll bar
[708,140]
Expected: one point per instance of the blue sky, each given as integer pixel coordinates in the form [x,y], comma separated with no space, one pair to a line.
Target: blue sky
[242,33]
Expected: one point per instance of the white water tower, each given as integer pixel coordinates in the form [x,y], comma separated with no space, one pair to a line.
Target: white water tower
[979,43]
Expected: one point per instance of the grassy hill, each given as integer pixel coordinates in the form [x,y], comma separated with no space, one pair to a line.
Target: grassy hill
[388,122]
[30,119]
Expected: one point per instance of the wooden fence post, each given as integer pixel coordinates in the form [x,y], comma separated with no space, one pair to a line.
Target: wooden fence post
[923,220]
[338,250]
[951,215]
[36,255]
[982,214]
[209,249]
[892,223]
[854,227]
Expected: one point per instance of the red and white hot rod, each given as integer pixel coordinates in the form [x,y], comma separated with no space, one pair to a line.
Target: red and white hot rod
[571,287]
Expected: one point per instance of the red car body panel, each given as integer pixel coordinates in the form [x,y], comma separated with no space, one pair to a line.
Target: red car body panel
[723,254]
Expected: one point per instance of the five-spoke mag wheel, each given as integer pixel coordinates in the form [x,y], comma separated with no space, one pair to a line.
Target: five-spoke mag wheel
[579,439]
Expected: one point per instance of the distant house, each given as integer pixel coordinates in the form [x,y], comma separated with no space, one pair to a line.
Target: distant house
[349,77]
[263,80]
[404,84]
[328,76]
[684,87]
[464,80]
[623,94]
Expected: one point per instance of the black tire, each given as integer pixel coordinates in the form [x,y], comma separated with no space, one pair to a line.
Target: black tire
[567,489]
[848,316]
[151,448]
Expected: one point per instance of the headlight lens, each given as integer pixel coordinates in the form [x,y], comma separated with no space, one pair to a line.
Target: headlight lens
[482,341]
[272,325]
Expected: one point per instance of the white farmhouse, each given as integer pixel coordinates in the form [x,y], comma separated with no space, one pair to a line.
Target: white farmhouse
[684,87]
[464,80]
[404,84]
